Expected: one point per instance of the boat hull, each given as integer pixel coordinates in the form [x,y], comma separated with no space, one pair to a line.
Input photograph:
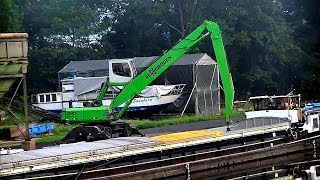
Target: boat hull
[138,104]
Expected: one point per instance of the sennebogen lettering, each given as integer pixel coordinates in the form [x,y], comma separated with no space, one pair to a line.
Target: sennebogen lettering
[153,71]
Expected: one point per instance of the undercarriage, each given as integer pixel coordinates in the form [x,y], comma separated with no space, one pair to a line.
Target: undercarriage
[100,132]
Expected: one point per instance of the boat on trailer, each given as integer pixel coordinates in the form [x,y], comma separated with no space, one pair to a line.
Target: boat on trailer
[80,92]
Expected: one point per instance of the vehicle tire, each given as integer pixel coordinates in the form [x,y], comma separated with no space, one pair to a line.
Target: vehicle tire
[293,133]
[108,131]
[127,130]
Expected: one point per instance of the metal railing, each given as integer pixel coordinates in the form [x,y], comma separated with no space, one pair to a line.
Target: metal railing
[259,121]
[177,89]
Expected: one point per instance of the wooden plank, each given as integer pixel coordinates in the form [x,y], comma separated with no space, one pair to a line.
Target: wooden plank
[11,76]
[13,35]
[4,144]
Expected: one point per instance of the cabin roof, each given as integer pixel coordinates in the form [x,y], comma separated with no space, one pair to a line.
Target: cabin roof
[273,97]
[140,62]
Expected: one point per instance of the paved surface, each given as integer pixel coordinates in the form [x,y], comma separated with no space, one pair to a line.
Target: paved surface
[186,127]
[219,124]
[172,129]
[213,124]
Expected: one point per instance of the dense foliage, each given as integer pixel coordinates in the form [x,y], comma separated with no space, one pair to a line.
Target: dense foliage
[272,46]
[10,18]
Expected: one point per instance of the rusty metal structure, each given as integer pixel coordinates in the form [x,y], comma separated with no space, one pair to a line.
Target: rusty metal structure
[13,59]
[13,65]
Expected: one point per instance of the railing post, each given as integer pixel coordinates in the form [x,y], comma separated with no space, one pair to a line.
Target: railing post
[25,103]
[246,123]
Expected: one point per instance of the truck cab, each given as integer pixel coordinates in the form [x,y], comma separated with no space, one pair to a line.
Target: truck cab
[311,119]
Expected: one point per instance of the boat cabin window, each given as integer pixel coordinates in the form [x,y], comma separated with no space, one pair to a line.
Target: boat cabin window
[48,98]
[264,104]
[41,98]
[317,171]
[54,97]
[121,69]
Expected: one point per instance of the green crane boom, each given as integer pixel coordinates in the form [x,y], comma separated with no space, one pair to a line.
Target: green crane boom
[170,57]
[106,114]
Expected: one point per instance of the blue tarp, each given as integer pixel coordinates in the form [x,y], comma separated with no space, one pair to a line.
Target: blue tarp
[40,129]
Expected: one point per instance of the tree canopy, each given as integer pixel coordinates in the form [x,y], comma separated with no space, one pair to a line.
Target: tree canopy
[272,46]
[10,18]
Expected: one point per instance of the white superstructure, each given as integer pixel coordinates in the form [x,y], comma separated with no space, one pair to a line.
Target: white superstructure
[287,106]
[77,92]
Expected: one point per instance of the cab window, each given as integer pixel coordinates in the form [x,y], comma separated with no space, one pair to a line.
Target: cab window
[121,69]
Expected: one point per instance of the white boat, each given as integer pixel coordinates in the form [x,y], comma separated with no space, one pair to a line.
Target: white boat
[76,92]
[284,106]
[287,108]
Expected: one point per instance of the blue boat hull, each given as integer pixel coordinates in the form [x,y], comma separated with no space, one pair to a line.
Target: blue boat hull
[144,108]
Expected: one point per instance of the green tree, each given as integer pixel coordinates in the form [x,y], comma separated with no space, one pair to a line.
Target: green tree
[260,45]
[266,41]
[62,31]
[10,17]
[304,17]
[259,42]
[136,28]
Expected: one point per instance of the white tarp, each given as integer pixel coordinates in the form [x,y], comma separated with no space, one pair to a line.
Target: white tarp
[156,90]
[87,85]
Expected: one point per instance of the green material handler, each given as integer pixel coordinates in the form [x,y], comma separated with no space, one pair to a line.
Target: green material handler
[100,122]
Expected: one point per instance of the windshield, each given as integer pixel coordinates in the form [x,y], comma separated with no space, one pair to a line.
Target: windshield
[275,103]
[121,69]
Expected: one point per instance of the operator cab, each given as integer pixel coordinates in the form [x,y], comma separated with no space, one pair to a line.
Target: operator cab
[121,70]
